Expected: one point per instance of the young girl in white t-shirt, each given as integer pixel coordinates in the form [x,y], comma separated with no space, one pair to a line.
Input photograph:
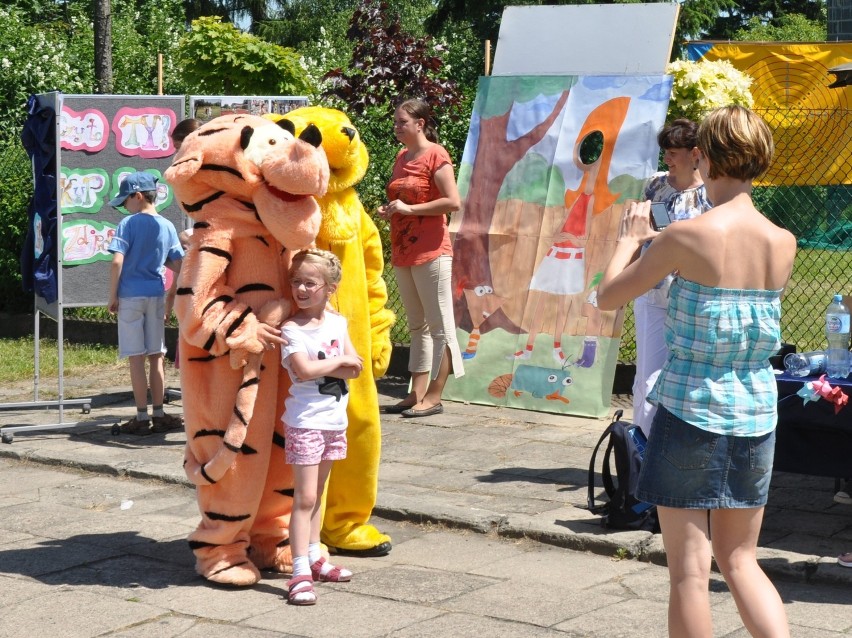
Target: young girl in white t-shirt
[319,357]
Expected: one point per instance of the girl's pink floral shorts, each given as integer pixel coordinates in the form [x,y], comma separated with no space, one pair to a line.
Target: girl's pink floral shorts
[306,446]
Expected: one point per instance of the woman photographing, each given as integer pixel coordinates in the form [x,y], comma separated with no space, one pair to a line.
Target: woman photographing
[709,456]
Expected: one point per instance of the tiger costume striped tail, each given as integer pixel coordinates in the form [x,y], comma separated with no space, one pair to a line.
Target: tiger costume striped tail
[249,186]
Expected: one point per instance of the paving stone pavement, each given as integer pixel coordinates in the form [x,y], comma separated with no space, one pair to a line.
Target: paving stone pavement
[481,503]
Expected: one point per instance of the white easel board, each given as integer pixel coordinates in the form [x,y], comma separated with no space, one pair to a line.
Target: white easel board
[588,39]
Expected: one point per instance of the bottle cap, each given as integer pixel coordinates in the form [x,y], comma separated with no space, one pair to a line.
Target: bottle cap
[838,297]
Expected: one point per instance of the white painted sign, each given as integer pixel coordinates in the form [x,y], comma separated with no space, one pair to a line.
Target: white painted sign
[589,39]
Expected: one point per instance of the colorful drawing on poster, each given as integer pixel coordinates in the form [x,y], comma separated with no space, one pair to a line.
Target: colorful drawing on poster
[207,108]
[284,106]
[82,190]
[164,191]
[144,132]
[85,241]
[83,130]
[235,105]
[549,163]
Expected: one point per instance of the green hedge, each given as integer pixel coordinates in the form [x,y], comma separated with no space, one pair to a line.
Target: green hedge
[15,190]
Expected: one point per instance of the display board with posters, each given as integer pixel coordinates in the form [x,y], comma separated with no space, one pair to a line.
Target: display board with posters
[81,147]
[101,139]
[207,107]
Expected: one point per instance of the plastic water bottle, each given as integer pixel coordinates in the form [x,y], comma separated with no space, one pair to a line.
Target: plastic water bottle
[804,364]
[837,334]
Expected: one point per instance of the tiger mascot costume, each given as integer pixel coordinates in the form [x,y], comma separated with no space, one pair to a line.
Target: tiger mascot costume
[249,185]
[349,232]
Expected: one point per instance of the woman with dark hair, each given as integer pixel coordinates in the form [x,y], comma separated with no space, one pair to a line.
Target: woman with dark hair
[682,190]
[421,192]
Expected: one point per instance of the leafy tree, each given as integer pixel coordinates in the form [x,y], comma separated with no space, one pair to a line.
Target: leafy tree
[301,23]
[255,11]
[714,19]
[388,62]
[320,31]
[792,27]
[318,28]
[39,10]
[218,58]
[485,15]
[54,50]
[140,30]
[33,59]
[747,13]
[195,9]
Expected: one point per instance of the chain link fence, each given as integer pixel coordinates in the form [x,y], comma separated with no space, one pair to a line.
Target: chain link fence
[816,207]
[812,154]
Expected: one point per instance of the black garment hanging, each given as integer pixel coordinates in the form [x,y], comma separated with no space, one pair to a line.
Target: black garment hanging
[39,257]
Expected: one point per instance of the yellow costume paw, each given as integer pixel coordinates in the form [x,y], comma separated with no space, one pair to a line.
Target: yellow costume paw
[362,540]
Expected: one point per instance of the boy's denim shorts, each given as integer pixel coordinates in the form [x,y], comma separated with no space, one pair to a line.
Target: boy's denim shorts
[141,326]
[690,468]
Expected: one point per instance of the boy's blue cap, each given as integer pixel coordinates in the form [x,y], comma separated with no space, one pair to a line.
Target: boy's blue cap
[133,183]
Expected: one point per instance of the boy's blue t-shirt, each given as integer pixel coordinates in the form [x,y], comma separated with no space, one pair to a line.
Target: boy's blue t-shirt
[147,242]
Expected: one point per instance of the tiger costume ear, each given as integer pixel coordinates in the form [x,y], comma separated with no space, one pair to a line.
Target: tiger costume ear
[184,168]
[287,125]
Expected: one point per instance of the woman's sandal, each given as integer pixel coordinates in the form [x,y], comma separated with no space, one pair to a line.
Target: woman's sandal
[300,591]
[334,575]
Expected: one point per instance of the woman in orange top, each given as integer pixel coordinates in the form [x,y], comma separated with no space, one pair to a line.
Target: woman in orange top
[421,192]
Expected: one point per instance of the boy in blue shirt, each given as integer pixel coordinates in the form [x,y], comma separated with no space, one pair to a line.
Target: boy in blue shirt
[143,246]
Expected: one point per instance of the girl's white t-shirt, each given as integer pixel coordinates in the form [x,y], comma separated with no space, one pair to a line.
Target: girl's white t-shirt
[321,403]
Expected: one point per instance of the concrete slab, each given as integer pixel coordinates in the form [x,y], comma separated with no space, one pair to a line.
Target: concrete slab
[339,613]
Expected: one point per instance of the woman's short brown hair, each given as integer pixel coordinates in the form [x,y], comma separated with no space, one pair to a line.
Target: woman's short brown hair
[737,142]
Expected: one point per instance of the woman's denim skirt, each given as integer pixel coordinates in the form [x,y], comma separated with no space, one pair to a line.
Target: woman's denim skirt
[687,467]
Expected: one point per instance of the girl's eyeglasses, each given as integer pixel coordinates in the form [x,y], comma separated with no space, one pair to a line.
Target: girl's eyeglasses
[310,286]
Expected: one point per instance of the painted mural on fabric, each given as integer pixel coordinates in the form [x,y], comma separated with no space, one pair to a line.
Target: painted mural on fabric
[548,166]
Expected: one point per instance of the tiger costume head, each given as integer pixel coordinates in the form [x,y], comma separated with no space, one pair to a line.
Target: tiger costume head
[347,154]
[260,164]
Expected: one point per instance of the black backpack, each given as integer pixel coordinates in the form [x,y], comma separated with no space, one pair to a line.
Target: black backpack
[626,445]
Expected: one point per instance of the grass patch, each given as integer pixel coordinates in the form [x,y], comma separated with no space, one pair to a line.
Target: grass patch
[17,358]
[817,275]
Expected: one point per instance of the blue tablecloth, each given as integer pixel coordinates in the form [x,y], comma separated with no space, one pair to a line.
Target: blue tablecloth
[812,439]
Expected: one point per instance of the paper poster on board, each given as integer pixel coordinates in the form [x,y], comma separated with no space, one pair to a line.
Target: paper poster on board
[102,139]
[549,164]
[207,107]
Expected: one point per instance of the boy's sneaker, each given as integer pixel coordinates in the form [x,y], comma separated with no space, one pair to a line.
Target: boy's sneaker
[166,423]
[843,496]
[135,426]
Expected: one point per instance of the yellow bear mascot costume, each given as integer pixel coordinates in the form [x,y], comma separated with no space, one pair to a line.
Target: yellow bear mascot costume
[351,234]
[248,184]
